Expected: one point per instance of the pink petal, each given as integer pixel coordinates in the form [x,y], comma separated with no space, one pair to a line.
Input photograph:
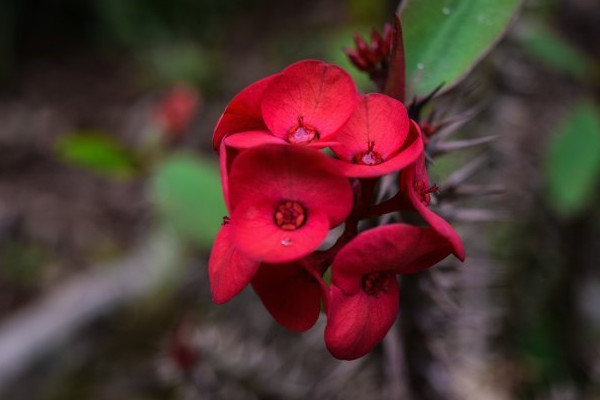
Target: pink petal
[397,248]
[229,270]
[290,293]
[322,95]
[281,172]
[412,149]
[243,113]
[357,322]
[256,233]
[379,125]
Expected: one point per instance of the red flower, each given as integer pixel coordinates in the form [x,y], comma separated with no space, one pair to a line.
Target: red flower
[284,199]
[415,184]
[175,111]
[306,103]
[364,296]
[291,293]
[378,138]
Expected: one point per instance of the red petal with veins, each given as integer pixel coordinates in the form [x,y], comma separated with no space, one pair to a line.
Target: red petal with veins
[378,124]
[229,271]
[321,94]
[418,172]
[256,233]
[410,151]
[357,323]
[243,113]
[290,293]
[397,248]
[273,173]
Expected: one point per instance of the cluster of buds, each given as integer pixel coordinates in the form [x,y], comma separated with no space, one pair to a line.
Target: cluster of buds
[372,58]
[284,195]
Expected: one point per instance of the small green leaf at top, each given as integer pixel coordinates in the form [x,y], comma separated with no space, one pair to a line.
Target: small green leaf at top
[97,152]
[572,165]
[187,192]
[445,39]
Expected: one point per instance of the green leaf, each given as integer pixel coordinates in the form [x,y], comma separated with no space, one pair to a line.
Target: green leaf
[445,39]
[553,50]
[187,192]
[573,160]
[97,152]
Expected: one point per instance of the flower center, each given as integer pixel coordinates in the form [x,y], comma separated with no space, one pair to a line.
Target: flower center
[289,215]
[369,157]
[302,133]
[376,282]
[424,192]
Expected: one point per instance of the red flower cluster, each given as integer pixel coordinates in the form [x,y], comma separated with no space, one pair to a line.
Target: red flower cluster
[284,195]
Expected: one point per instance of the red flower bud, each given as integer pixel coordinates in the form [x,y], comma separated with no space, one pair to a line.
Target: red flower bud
[176,110]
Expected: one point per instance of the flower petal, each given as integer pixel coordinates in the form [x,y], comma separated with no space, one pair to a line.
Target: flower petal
[357,322]
[282,172]
[243,113]
[256,233]
[418,172]
[230,147]
[412,149]
[229,271]
[290,293]
[398,248]
[322,95]
[379,124]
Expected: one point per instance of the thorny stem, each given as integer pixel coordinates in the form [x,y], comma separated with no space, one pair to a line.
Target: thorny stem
[321,260]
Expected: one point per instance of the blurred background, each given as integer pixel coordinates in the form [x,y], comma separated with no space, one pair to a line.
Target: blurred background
[110,198]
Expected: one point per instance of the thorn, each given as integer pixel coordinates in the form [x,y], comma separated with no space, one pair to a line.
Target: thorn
[448,127]
[470,190]
[447,147]
[417,104]
[439,294]
[463,173]
[473,214]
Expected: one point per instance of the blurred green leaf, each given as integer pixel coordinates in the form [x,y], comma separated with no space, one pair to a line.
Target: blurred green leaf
[444,39]
[182,62]
[187,191]
[553,50]
[97,152]
[573,160]
[543,350]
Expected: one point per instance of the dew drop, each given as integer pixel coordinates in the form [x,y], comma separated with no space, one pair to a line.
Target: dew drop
[286,241]
[420,66]
[446,11]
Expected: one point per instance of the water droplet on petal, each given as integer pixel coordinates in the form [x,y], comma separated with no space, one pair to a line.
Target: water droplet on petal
[286,241]
[420,66]
[446,11]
